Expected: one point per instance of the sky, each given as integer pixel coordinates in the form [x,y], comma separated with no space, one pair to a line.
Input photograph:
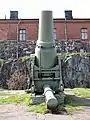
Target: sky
[32,8]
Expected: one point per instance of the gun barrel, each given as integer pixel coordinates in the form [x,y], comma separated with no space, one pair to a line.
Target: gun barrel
[45,50]
[46,26]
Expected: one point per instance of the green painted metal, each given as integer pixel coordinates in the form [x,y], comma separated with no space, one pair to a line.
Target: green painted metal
[51,101]
[46,66]
[45,51]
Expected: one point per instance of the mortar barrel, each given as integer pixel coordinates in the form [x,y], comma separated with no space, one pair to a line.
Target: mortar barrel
[46,27]
[45,50]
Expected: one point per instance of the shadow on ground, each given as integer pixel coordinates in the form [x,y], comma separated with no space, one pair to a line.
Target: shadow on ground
[77,101]
[73,101]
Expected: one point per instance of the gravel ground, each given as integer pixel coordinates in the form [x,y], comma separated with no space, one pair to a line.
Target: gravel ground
[19,112]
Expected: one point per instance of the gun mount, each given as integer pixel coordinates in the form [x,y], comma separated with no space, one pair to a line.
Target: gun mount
[47,84]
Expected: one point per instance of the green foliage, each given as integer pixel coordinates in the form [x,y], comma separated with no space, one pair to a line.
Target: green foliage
[2,61]
[24,58]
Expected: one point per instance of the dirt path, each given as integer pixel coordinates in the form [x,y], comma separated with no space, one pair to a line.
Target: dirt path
[19,112]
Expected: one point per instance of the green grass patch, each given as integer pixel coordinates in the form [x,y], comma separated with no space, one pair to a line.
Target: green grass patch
[42,108]
[10,98]
[70,104]
[80,92]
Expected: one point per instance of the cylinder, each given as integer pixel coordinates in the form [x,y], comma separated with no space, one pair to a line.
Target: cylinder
[45,50]
[46,26]
[51,101]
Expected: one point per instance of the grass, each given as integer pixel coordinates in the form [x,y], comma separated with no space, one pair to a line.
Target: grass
[80,92]
[70,108]
[24,58]
[42,108]
[14,98]
[70,105]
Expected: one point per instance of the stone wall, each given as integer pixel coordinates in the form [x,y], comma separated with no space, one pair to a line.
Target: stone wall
[76,71]
[8,49]
[14,74]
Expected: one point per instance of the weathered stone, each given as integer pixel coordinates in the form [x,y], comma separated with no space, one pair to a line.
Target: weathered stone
[76,68]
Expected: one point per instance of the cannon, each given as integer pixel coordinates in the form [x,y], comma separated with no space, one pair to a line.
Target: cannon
[46,66]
